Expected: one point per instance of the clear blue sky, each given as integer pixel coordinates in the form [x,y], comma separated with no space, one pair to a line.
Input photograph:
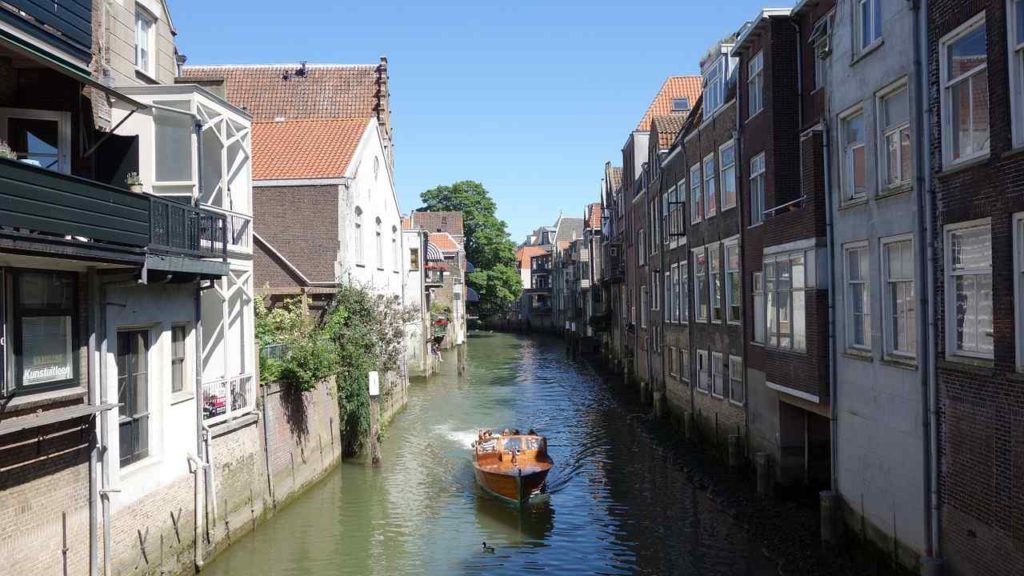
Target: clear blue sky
[529,97]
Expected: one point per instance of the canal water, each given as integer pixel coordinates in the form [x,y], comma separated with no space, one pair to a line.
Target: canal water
[616,504]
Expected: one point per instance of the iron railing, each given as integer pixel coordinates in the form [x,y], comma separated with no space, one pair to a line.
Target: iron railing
[182,229]
[226,398]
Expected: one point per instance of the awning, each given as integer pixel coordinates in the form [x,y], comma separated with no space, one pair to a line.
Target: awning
[470,267]
[63,66]
[434,253]
[471,295]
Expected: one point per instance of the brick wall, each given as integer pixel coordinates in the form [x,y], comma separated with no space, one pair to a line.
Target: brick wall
[981,421]
[301,223]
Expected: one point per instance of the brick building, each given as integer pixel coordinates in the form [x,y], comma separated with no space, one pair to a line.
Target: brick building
[977,130]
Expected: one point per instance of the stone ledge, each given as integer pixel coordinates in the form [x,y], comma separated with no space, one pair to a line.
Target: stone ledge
[230,426]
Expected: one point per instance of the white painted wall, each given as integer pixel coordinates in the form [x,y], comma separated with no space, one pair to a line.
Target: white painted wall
[172,422]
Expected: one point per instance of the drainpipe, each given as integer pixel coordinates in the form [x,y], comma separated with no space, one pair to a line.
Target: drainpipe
[198,464]
[94,383]
[830,285]
[926,322]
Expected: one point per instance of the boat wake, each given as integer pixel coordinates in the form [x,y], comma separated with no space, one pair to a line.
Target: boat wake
[464,438]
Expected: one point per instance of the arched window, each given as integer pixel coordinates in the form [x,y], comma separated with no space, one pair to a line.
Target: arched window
[380,247]
[396,257]
[360,261]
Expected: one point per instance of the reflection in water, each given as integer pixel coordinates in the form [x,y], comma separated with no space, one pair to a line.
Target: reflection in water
[616,502]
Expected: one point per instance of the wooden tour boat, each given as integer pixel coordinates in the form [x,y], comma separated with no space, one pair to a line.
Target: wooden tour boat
[513,467]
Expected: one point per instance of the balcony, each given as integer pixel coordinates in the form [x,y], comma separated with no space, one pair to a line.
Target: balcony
[227,398]
[433,277]
[56,214]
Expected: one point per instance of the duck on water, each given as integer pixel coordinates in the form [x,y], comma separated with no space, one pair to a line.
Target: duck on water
[513,466]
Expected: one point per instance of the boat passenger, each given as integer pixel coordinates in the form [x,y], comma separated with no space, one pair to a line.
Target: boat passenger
[531,432]
[504,432]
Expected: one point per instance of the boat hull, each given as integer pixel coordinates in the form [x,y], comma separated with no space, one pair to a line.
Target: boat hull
[515,486]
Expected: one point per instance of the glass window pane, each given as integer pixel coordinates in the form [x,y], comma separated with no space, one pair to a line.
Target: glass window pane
[966,53]
[173,143]
[971,248]
[979,112]
[46,350]
[36,142]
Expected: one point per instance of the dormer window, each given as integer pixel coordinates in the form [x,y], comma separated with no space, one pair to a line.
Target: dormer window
[714,86]
[680,105]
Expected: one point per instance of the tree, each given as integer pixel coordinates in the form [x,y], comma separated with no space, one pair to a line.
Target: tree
[488,245]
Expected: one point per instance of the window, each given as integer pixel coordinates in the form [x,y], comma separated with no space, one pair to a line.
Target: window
[133,395]
[703,371]
[1018,284]
[898,305]
[643,306]
[821,41]
[669,304]
[641,247]
[696,196]
[676,295]
[700,278]
[38,137]
[733,292]
[44,328]
[673,361]
[414,258]
[684,365]
[964,76]
[360,255]
[757,189]
[178,368]
[710,194]
[144,36]
[727,159]
[755,84]
[684,292]
[757,284]
[786,278]
[680,105]
[867,23]
[854,169]
[715,284]
[894,124]
[736,391]
[173,133]
[397,258]
[714,86]
[1016,38]
[666,210]
[717,377]
[858,297]
[969,290]
[380,247]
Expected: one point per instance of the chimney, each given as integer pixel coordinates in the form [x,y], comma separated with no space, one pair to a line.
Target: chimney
[382,107]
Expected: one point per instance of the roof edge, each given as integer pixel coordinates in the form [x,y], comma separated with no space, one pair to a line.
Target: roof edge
[762,15]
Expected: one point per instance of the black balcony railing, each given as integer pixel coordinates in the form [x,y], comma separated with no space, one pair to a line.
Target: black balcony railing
[434,277]
[182,229]
[46,206]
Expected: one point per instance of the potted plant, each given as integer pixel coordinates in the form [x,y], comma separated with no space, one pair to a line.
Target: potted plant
[6,152]
[134,182]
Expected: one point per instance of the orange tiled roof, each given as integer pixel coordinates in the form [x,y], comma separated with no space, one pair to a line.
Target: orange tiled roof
[323,91]
[304,148]
[524,254]
[406,223]
[594,216]
[674,87]
[444,241]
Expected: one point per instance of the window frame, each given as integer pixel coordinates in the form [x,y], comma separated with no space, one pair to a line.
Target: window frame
[684,291]
[1016,69]
[772,293]
[755,84]
[710,185]
[699,283]
[848,196]
[713,85]
[144,16]
[684,365]
[723,177]
[717,375]
[946,84]
[359,243]
[952,352]
[703,371]
[185,328]
[16,361]
[848,316]
[1018,287]
[379,243]
[731,374]
[696,194]
[883,133]
[733,243]
[715,297]
[874,22]
[888,338]
[760,176]
[145,415]
[63,120]
[760,318]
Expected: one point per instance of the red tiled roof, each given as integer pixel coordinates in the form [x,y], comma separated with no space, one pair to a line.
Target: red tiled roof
[668,127]
[304,148]
[406,223]
[444,241]
[524,254]
[674,87]
[322,91]
[594,216]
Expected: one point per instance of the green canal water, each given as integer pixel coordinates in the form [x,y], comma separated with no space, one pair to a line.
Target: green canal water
[617,504]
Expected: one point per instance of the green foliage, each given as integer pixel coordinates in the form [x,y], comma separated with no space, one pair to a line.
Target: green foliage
[488,245]
[360,332]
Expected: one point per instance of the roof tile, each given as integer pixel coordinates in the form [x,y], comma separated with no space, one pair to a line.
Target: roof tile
[674,87]
[301,149]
